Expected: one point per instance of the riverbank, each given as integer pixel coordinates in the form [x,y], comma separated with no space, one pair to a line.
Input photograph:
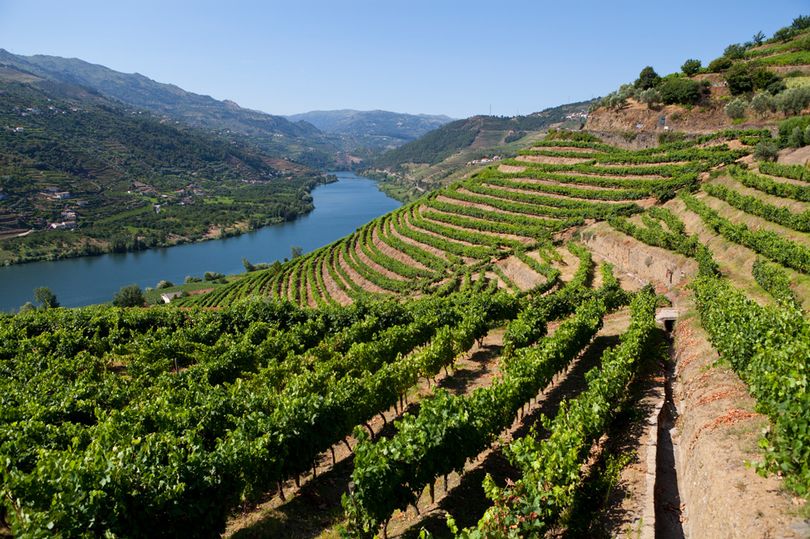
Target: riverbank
[136,230]
[340,208]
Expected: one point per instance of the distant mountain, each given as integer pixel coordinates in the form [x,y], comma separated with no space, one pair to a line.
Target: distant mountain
[284,138]
[477,132]
[120,178]
[373,128]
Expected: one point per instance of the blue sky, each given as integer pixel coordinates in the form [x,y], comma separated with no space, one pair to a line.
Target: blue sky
[441,57]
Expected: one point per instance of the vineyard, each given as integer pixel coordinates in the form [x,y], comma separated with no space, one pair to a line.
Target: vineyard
[483,362]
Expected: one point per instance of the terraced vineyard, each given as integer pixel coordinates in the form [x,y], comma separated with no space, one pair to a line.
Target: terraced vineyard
[499,224]
[483,362]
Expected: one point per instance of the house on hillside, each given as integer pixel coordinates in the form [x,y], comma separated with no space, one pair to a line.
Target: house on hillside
[169,296]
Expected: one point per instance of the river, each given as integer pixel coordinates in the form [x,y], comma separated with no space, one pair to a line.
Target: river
[340,208]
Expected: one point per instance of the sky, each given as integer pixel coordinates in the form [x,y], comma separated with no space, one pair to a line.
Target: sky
[458,58]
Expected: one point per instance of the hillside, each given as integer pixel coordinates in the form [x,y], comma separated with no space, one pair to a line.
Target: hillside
[81,174]
[274,134]
[752,85]
[374,129]
[458,148]
[579,340]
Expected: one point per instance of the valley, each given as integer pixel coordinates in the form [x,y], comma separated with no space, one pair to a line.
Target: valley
[589,321]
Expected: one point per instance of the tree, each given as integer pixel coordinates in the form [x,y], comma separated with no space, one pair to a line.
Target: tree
[766,150]
[762,103]
[164,284]
[735,109]
[212,276]
[650,96]
[691,67]
[296,251]
[758,38]
[129,296]
[735,51]
[45,297]
[681,91]
[647,78]
[27,307]
[739,79]
[248,266]
[720,64]
[796,138]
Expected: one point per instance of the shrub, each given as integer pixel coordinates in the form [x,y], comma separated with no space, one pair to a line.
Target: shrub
[762,103]
[766,150]
[680,91]
[735,51]
[164,284]
[758,38]
[129,296]
[796,138]
[739,79]
[735,109]
[668,137]
[794,100]
[650,96]
[648,78]
[720,64]
[45,297]
[691,67]
[787,127]
[807,136]
[212,276]
[192,279]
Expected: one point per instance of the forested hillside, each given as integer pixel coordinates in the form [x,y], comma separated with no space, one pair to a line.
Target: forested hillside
[81,174]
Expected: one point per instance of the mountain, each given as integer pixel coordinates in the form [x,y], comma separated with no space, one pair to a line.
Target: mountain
[477,132]
[374,128]
[81,173]
[275,134]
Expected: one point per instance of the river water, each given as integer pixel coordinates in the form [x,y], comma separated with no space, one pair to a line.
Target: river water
[340,208]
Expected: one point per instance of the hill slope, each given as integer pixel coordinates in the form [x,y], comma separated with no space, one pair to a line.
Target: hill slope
[274,134]
[375,129]
[119,178]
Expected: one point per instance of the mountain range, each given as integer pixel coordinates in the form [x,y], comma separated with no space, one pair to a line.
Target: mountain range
[320,139]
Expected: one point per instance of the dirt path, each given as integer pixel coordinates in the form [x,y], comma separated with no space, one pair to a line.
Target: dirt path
[356,278]
[486,207]
[523,239]
[419,245]
[519,273]
[390,252]
[549,160]
[332,288]
[372,265]
[643,202]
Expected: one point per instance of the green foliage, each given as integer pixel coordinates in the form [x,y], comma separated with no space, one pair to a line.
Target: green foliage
[390,473]
[766,151]
[775,280]
[735,51]
[45,297]
[720,64]
[796,172]
[791,131]
[772,187]
[691,67]
[551,467]
[765,242]
[648,78]
[735,109]
[762,103]
[763,346]
[117,165]
[793,101]
[680,91]
[755,206]
[129,296]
